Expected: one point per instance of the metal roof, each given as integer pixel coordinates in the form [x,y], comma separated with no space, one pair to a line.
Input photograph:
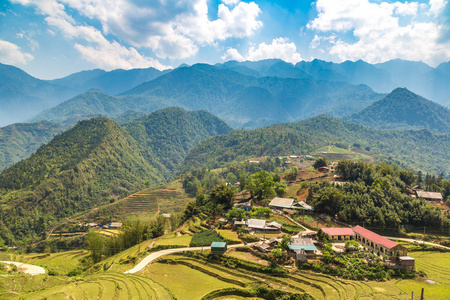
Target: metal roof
[281,202]
[218,244]
[338,231]
[304,247]
[373,237]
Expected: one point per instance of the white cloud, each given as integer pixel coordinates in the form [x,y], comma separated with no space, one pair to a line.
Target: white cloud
[231,2]
[437,6]
[280,48]
[376,26]
[11,54]
[91,43]
[171,28]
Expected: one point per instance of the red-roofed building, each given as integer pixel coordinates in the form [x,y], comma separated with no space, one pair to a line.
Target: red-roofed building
[378,243]
[339,234]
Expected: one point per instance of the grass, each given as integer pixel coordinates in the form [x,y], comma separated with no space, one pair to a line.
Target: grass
[334,153]
[228,234]
[184,282]
[172,239]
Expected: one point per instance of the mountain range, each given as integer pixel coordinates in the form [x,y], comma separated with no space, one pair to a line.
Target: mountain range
[232,96]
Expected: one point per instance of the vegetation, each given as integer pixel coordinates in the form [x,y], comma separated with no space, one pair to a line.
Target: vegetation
[305,136]
[402,109]
[376,196]
[205,238]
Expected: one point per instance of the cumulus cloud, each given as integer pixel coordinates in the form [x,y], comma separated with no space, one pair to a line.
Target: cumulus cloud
[173,29]
[279,48]
[378,31]
[11,54]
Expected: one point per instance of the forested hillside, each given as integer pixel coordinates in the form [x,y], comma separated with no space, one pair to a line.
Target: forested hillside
[171,132]
[18,141]
[419,150]
[402,109]
[90,164]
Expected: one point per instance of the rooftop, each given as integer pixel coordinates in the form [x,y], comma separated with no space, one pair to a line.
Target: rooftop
[218,244]
[281,202]
[338,231]
[376,238]
[256,223]
[429,195]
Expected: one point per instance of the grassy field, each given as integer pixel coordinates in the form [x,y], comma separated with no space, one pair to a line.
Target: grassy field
[334,153]
[173,239]
[228,234]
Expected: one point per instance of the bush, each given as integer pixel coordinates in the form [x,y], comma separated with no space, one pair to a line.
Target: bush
[205,238]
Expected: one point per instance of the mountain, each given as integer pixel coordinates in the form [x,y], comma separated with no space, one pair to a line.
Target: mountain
[20,140]
[22,95]
[419,150]
[171,132]
[402,109]
[93,103]
[232,96]
[112,82]
[79,169]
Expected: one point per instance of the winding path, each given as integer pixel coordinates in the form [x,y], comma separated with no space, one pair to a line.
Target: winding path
[26,268]
[151,257]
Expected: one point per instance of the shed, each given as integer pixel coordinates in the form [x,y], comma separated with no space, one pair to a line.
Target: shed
[218,247]
[434,197]
[281,202]
[406,262]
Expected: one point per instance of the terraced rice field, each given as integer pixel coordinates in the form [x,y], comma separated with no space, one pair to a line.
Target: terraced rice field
[105,286]
[437,267]
[174,239]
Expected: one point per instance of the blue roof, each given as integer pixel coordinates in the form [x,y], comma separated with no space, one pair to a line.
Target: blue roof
[305,247]
[218,244]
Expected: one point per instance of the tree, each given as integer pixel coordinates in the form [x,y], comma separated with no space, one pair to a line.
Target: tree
[223,194]
[96,245]
[320,162]
[261,185]
[285,241]
[231,178]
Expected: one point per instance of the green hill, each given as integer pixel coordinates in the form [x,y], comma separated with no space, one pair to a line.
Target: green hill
[20,140]
[402,109]
[171,132]
[419,150]
[79,169]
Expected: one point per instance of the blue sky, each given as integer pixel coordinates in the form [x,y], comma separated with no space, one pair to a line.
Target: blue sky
[54,38]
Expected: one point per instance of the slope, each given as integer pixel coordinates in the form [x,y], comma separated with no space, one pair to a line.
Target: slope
[18,141]
[22,95]
[419,150]
[93,103]
[402,109]
[171,132]
[79,169]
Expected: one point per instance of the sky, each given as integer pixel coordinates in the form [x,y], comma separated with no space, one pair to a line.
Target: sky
[54,38]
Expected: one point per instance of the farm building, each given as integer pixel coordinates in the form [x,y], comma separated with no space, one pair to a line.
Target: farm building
[262,247]
[406,262]
[432,197]
[302,248]
[218,247]
[376,242]
[262,225]
[278,202]
[302,204]
[339,234]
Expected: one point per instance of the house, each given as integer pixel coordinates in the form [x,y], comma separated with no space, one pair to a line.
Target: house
[166,215]
[247,206]
[333,166]
[263,226]
[223,221]
[253,161]
[218,247]
[406,262]
[302,248]
[323,169]
[293,156]
[115,225]
[432,197]
[263,247]
[377,242]
[274,242]
[239,223]
[281,202]
[339,234]
[304,205]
